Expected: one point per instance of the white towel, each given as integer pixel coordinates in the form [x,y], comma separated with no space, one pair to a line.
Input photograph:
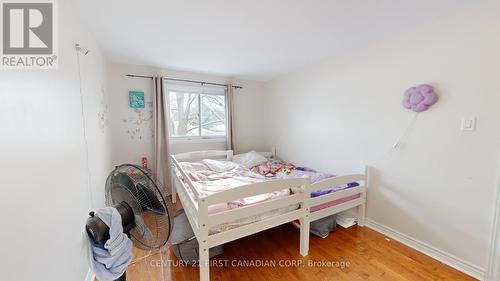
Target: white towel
[110,262]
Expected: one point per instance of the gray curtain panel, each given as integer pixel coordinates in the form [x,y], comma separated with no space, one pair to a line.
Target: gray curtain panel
[229,118]
[161,166]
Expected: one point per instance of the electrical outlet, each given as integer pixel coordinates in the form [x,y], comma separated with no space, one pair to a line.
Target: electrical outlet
[468,123]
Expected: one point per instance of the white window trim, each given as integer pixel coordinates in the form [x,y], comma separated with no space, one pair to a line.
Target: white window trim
[195,139]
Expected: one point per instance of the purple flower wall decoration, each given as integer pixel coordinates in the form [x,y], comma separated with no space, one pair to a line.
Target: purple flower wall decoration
[420,98]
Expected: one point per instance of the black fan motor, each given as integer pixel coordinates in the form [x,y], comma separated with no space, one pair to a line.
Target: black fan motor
[99,231]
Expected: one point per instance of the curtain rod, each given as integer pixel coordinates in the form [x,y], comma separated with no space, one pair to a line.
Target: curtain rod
[183,80]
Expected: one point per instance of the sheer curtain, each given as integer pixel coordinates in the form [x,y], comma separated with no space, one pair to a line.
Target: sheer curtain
[229,118]
[161,167]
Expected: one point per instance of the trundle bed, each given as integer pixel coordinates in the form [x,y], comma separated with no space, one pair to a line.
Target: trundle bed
[278,207]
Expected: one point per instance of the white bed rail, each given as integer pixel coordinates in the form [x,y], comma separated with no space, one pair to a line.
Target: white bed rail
[216,154]
[186,179]
[249,190]
[206,154]
[336,181]
[247,211]
[359,202]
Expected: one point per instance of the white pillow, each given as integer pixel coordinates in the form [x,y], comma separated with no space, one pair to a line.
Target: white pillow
[249,159]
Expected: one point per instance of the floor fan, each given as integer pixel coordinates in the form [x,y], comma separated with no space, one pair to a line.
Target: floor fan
[145,209]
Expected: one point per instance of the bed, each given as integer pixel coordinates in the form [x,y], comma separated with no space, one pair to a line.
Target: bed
[252,204]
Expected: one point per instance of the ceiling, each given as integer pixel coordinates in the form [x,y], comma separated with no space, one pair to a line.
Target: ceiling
[252,39]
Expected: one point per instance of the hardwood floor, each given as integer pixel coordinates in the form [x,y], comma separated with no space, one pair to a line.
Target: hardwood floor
[355,253]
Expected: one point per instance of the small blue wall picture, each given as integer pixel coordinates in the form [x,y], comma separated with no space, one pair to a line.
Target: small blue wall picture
[136,99]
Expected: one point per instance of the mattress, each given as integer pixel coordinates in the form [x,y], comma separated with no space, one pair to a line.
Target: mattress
[334,202]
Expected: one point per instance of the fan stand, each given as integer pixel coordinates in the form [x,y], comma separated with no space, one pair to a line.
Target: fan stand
[147,196]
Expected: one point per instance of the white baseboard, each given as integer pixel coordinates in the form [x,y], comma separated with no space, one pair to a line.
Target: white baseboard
[446,258]
[90,276]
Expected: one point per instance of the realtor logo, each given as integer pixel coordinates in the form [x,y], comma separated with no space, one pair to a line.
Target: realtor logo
[28,35]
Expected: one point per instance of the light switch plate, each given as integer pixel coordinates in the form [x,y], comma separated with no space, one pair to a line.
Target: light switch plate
[468,123]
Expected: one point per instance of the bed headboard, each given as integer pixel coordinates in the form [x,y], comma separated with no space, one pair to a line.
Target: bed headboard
[271,154]
[206,154]
[216,154]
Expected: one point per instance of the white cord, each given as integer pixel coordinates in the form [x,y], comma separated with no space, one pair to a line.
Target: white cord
[406,131]
[87,162]
[397,144]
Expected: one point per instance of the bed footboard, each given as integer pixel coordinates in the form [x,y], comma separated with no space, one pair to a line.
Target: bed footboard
[341,180]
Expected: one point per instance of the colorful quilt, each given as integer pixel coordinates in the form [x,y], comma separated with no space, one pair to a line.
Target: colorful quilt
[273,167]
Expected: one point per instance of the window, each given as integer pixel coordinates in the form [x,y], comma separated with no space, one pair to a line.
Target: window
[197,113]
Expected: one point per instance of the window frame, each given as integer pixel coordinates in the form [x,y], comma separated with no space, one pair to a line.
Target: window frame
[199,91]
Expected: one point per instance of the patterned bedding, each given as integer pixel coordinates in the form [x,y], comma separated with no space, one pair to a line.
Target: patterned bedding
[278,169]
[211,176]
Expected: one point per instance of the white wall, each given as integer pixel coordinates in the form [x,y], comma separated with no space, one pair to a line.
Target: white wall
[45,196]
[131,130]
[439,187]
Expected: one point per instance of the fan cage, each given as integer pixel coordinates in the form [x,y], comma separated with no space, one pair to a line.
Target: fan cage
[150,201]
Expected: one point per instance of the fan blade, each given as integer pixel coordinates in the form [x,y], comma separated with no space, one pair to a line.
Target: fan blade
[142,228]
[149,200]
[124,180]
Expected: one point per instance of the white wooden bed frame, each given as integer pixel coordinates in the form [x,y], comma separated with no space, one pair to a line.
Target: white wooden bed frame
[196,205]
